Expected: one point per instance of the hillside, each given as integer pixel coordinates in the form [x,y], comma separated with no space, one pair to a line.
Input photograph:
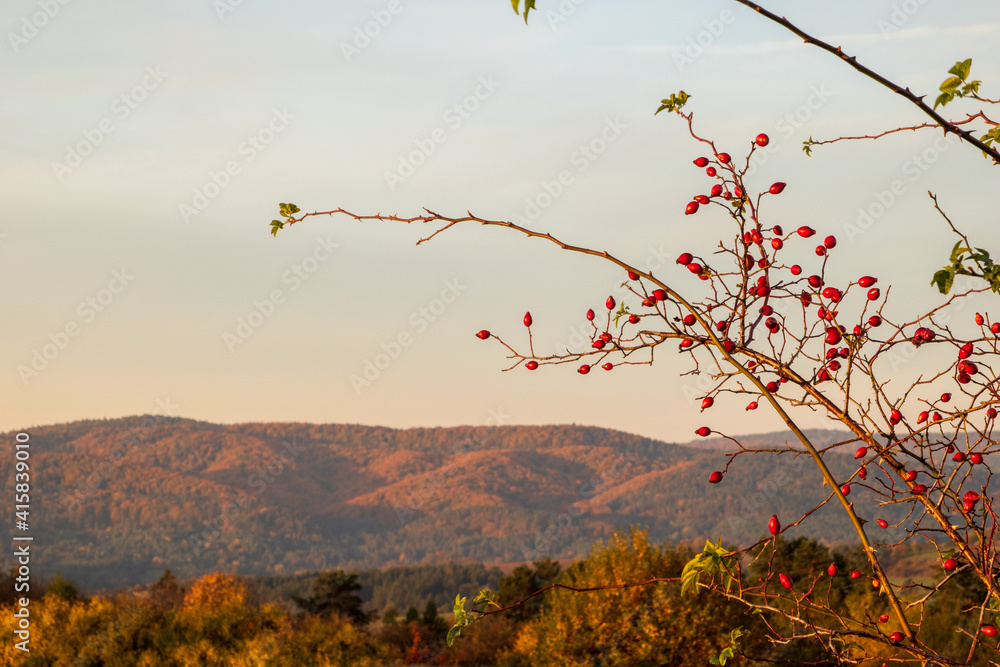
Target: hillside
[116,501]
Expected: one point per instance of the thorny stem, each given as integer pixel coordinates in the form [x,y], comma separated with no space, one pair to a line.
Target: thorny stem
[917,100]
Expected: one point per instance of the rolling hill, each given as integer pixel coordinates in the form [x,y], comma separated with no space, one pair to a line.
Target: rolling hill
[114,502]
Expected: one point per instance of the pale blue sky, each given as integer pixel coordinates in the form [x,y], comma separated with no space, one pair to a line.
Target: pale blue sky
[164,95]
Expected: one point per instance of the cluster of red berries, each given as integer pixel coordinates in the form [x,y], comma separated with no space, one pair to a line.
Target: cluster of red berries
[725,160]
[825,297]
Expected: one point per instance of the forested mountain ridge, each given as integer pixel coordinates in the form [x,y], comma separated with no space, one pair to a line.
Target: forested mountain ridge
[116,501]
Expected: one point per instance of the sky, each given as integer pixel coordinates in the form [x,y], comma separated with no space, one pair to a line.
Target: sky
[145,148]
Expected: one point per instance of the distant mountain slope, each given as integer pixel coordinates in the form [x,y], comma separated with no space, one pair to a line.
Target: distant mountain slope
[116,501]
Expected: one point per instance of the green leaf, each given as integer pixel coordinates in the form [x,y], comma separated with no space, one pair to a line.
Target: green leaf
[528,6]
[950,85]
[485,598]
[943,99]
[961,69]
[944,279]
[714,559]
[461,620]
[288,210]
[690,576]
[674,102]
[956,254]
[970,88]
[981,256]
[622,312]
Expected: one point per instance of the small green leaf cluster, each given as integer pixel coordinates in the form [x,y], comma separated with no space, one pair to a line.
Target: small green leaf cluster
[714,560]
[287,211]
[807,146]
[992,136]
[484,600]
[987,269]
[956,85]
[729,652]
[674,102]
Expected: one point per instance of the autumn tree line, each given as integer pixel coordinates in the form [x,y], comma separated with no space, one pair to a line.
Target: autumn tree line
[221,619]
